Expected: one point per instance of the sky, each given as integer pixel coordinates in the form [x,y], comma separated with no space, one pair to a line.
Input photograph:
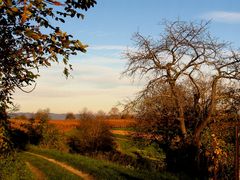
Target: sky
[96,81]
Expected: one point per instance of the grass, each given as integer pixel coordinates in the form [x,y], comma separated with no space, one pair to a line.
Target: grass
[13,167]
[50,170]
[101,169]
[127,146]
[124,128]
[121,136]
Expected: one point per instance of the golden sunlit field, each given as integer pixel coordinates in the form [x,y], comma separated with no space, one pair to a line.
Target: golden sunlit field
[67,125]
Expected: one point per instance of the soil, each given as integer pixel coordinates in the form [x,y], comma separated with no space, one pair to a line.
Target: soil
[67,167]
[39,175]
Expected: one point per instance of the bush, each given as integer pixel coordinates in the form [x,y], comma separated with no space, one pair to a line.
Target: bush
[43,115]
[70,115]
[5,142]
[52,138]
[91,136]
[40,132]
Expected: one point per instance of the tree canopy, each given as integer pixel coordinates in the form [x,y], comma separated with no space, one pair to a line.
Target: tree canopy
[192,82]
[186,53]
[30,38]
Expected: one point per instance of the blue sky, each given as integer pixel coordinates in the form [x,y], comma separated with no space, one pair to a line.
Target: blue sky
[107,29]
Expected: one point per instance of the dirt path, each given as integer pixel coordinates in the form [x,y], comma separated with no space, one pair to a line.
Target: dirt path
[67,167]
[38,174]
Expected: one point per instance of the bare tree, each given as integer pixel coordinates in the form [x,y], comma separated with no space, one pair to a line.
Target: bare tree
[86,114]
[114,112]
[70,116]
[43,115]
[100,115]
[186,53]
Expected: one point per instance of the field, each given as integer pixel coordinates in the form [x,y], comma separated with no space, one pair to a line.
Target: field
[117,125]
[122,163]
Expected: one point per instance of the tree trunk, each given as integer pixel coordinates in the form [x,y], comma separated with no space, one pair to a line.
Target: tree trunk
[205,121]
[180,110]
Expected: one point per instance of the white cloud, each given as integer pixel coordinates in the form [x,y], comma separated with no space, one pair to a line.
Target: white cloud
[95,84]
[223,16]
[108,47]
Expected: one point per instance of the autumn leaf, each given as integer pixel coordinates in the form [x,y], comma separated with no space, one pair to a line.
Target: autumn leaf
[56,3]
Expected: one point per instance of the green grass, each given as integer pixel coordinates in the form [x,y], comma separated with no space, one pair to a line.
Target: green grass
[121,136]
[50,170]
[124,128]
[127,146]
[101,169]
[13,167]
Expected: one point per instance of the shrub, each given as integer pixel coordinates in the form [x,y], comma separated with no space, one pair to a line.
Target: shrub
[85,115]
[91,136]
[40,132]
[5,142]
[51,138]
[43,115]
[70,115]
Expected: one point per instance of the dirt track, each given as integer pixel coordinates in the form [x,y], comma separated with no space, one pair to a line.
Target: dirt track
[65,166]
[38,174]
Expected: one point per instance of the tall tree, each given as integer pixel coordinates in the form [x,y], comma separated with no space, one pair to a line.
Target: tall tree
[30,38]
[190,77]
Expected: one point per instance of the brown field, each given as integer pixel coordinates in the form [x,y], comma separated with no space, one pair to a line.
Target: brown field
[67,125]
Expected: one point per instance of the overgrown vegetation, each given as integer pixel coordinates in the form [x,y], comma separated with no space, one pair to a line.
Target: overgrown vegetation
[29,40]
[192,86]
[185,113]
[102,169]
[13,167]
[38,131]
[91,136]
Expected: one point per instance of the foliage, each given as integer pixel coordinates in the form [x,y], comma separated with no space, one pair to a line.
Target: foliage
[114,113]
[52,139]
[192,83]
[219,141]
[70,116]
[29,39]
[91,136]
[13,167]
[85,114]
[42,115]
[101,115]
[5,145]
[36,126]
[40,132]
[20,117]
[139,154]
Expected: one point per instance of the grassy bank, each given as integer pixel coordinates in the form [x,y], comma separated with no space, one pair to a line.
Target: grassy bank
[13,167]
[50,170]
[100,169]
